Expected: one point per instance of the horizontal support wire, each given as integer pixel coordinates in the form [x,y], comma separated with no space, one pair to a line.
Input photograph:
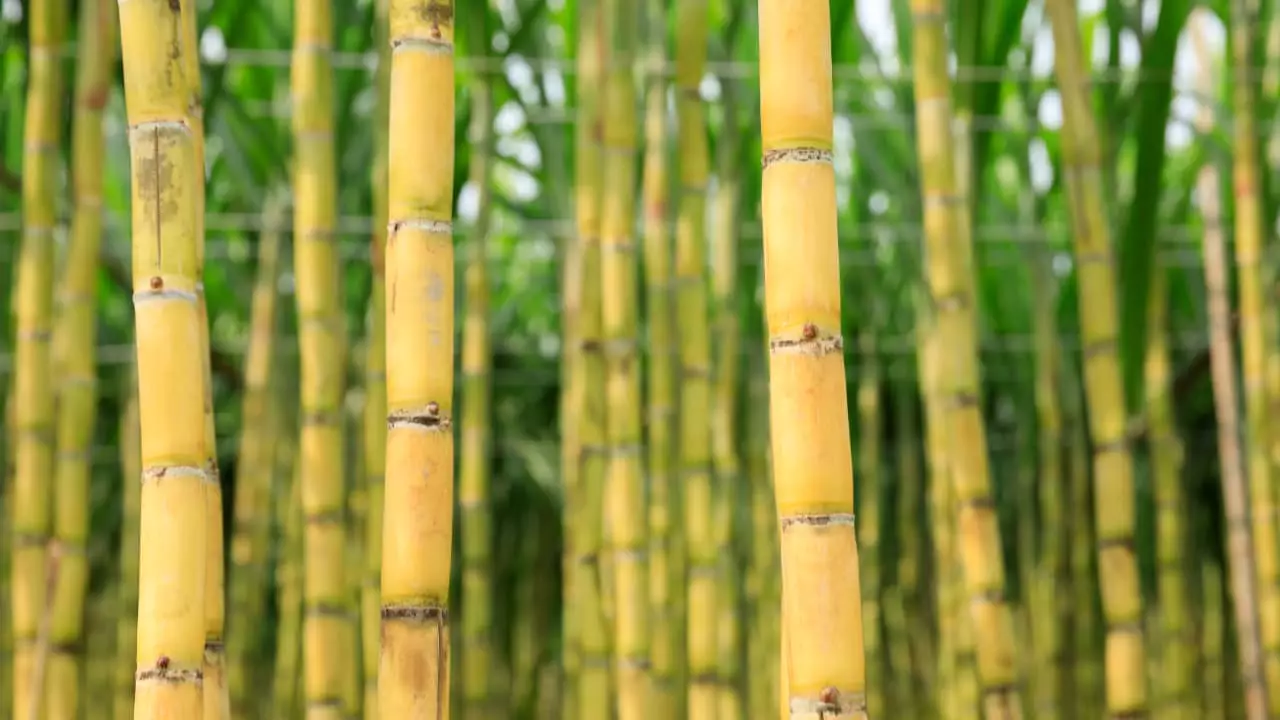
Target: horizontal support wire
[1003,442]
[282,58]
[357,229]
[109,355]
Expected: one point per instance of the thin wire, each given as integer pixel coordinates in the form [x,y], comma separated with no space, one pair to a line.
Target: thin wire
[362,226]
[367,61]
[999,443]
[113,354]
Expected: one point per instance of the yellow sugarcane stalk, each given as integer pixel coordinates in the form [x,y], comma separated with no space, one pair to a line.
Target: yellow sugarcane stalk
[951,287]
[175,478]
[33,420]
[75,356]
[957,682]
[326,660]
[1241,569]
[824,674]
[1126,683]
[624,498]
[593,680]
[352,689]
[214,682]
[127,616]
[1051,606]
[474,503]
[252,520]
[586,158]
[664,647]
[1255,343]
[1178,653]
[763,581]
[1086,652]
[724,408]
[870,441]
[285,682]
[413,672]
[374,434]
[695,361]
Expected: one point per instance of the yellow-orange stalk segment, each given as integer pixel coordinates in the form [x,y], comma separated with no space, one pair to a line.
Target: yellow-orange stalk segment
[1050,608]
[216,700]
[1241,571]
[327,667]
[695,361]
[251,526]
[127,614]
[285,690]
[824,673]
[724,429]
[1175,673]
[474,504]
[1254,341]
[763,580]
[175,478]
[593,680]
[33,421]
[966,693]
[413,673]
[952,297]
[75,345]
[869,444]
[665,637]
[1114,502]
[375,383]
[624,498]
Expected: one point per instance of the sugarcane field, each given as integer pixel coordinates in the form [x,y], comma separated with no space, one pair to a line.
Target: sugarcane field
[640,359]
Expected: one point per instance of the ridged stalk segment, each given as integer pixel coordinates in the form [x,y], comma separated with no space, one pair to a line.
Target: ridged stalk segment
[957,680]
[1241,570]
[417,538]
[823,669]
[164,140]
[1114,499]
[286,686]
[724,427]
[75,356]
[251,523]
[665,638]
[325,634]
[1175,685]
[127,616]
[474,500]
[217,702]
[624,499]
[593,682]
[1255,345]
[1050,580]
[693,332]
[1086,625]
[870,442]
[33,397]
[763,584]
[374,431]
[949,273]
